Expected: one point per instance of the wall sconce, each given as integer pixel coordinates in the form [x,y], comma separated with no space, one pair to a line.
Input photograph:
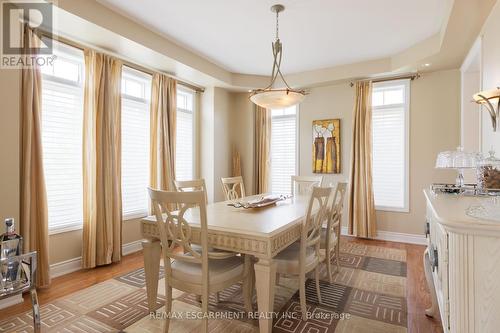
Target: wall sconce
[491,100]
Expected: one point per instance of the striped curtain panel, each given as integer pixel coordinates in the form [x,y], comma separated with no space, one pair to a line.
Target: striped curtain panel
[362,220]
[163,131]
[102,200]
[262,149]
[34,216]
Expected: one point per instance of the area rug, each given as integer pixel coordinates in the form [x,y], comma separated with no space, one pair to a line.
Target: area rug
[368,295]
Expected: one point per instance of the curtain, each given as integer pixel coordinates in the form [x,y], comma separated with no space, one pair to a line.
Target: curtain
[236,167]
[362,220]
[34,216]
[102,202]
[262,148]
[163,127]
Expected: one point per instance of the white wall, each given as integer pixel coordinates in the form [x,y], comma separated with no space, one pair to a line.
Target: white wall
[490,76]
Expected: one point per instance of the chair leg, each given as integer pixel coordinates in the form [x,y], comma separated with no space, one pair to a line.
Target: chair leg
[248,284]
[329,265]
[204,310]
[303,303]
[337,255]
[36,311]
[277,278]
[217,297]
[198,298]
[247,293]
[168,305]
[318,291]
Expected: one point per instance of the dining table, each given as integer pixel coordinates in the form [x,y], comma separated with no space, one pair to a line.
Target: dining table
[259,232]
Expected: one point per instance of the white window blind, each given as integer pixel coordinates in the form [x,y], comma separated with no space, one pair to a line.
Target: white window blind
[62,122]
[136,91]
[283,149]
[185,135]
[390,117]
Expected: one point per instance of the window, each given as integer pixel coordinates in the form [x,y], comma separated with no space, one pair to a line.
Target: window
[391,144]
[136,96]
[283,149]
[62,122]
[184,151]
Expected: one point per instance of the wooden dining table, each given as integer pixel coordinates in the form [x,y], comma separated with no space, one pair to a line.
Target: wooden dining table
[260,232]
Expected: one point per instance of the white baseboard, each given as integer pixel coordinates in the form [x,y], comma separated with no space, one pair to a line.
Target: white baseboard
[75,264]
[132,247]
[9,301]
[396,237]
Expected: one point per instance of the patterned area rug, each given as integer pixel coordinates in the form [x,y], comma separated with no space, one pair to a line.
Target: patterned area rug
[368,295]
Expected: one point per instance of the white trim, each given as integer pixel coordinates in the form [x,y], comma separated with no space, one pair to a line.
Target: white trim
[396,237]
[132,247]
[10,301]
[65,267]
[75,264]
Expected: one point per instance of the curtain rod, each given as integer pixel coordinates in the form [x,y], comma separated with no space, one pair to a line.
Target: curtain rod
[127,63]
[391,78]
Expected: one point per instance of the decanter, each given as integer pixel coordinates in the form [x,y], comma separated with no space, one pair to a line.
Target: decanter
[11,245]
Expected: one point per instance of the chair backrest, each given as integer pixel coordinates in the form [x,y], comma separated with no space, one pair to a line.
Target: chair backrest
[191,185]
[316,212]
[337,203]
[334,216]
[174,230]
[231,186]
[302,185]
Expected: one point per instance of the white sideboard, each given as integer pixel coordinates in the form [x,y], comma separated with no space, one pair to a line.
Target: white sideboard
[462,265]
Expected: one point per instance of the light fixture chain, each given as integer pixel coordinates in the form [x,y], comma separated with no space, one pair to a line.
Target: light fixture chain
[277,25]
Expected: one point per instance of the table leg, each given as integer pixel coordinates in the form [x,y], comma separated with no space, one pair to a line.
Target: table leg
[152,254]
[265,279]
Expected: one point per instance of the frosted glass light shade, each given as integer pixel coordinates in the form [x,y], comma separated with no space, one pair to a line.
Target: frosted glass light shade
[490,95]
[276,98]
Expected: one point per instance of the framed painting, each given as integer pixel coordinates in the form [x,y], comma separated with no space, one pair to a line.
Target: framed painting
[326,146]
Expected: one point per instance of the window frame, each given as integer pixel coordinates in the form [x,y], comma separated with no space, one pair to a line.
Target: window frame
[137,215]
[406,106]
[194,112]
[297,145]
[76,84]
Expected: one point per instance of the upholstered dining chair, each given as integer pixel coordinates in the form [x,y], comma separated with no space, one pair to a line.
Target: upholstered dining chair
[302,185]
[304,256]
[191,185]
[231,186]
[330,233]
[197,272]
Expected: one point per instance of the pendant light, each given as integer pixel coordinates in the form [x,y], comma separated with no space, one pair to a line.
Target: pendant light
[277,98]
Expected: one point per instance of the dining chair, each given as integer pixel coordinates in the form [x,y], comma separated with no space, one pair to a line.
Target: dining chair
[302,185]
[197,272]
[304,256]
[330,234]
[191,185]
[231,185]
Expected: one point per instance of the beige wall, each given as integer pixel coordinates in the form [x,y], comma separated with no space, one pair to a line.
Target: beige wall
[490,75]
[10,83]
[242,136]
[222,144]
[434,126]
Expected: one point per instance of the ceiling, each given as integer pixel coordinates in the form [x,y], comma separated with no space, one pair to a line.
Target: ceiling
[237,34]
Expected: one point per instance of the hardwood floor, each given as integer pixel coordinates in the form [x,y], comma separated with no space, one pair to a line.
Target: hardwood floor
[417,293]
